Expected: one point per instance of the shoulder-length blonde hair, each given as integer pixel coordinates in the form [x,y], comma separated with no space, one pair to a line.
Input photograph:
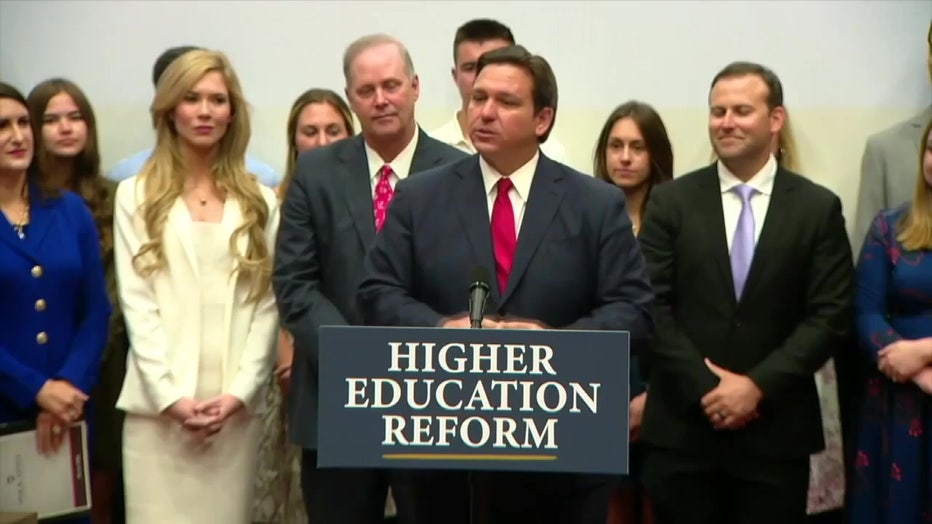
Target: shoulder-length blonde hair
[915,229]
[163,176]
[311,96]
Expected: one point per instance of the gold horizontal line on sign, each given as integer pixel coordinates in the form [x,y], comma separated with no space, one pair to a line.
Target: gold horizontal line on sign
[464,456]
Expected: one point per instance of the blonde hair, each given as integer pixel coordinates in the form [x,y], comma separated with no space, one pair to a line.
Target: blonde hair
[915,229]
[163,175]
[787,154]
[311,96]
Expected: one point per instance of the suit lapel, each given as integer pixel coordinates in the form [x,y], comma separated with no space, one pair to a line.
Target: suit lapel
[772,231]
[41,220]
[472,207]
[426,155]
[543,201]
[179,219]
[709,210]
[356,179]
[918,124]
[357,189]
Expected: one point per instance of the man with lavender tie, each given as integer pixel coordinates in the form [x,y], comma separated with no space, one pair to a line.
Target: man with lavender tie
[752,273]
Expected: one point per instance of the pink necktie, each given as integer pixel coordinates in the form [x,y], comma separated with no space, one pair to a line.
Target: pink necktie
[383,196]
[504,237]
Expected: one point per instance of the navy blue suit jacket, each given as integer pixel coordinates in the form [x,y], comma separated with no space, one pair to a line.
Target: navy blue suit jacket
[54,314]
[327,225]
[577,264]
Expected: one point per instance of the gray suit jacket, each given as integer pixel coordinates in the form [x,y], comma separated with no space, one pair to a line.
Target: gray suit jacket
[327,226]
[888,172]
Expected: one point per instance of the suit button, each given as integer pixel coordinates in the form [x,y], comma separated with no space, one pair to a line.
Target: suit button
[42,337]
[36,271]
[40,305]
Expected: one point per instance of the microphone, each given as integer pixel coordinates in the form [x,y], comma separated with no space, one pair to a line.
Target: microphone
[478,295]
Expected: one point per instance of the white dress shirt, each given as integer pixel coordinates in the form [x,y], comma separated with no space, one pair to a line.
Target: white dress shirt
[521,188]
[401,165]
[452,134]
[762,182]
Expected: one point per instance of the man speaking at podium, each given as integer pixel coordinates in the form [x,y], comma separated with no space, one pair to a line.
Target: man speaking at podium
[557,243]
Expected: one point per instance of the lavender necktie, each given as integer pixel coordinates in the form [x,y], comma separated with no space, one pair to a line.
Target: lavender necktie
[742,246]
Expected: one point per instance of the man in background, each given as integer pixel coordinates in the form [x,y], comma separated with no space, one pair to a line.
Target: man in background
[132,165]
[889,167]
[471,40]
[331,214]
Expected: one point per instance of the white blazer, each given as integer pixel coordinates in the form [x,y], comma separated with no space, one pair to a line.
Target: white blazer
[163,310]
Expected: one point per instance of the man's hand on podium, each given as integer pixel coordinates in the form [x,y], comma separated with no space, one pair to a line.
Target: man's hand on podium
[462,321]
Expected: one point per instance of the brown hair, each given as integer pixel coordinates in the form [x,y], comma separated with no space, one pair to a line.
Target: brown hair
[311,96]
[915,229]
[86,179]
[481,30]
[656,139]
[774,86]
[544,91]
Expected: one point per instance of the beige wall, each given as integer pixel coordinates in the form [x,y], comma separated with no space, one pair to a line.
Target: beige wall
[849,68]
[830,140]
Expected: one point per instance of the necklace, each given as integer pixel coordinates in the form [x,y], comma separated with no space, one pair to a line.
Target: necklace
[20,226]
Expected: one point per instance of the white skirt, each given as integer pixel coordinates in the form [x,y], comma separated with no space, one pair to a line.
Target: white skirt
[171,478]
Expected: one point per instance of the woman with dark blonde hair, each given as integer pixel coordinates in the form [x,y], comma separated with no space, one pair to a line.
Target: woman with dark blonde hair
[892,482]
[194,238]
[54,312]
[634,153]
[317,118]
[65,129]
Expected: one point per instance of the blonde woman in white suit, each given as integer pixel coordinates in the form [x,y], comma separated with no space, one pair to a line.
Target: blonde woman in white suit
[193,246]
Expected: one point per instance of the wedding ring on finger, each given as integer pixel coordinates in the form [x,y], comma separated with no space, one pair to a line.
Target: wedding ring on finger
[56,430]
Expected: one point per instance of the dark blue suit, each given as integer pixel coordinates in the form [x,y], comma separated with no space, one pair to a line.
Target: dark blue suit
[327,225]
[54,314]
[577,266]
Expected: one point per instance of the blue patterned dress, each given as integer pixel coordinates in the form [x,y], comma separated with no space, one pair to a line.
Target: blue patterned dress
[893,471]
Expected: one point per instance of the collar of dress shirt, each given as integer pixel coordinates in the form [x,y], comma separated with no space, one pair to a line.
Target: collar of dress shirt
[762,181]
[521,178]
[401,165]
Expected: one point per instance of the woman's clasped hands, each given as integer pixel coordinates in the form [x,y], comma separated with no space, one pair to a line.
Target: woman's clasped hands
[204,419]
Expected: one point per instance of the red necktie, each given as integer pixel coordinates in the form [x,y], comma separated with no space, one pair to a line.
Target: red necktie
[504,238]
[383,196]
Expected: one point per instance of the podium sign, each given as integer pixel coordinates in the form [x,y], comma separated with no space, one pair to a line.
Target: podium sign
[480,399]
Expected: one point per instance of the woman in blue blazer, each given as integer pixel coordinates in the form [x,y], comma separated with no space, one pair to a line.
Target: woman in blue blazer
[54,310]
